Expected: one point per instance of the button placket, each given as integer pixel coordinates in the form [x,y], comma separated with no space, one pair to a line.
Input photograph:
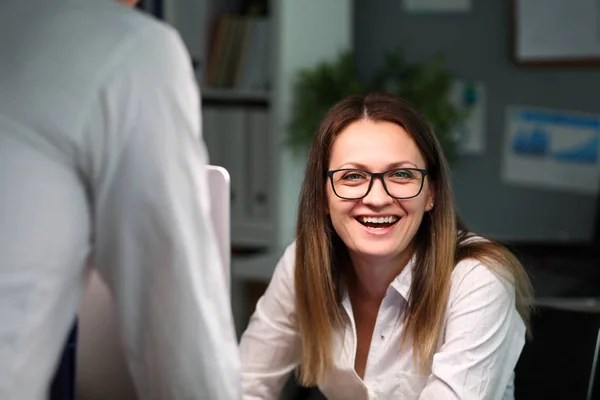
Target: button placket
[384,322]
[381,332]
[375,347]
[390,321]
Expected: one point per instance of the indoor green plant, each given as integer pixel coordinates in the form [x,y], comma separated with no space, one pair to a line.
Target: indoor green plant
[426,85]
[315,91]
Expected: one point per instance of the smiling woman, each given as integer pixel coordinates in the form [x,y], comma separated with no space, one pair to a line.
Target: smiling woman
[384,293]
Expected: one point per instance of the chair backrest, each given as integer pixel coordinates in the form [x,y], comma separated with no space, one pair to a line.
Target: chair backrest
[220,205]
[560,362]
[101,372]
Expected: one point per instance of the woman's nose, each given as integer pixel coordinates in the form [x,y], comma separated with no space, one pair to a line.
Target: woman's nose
[377,196]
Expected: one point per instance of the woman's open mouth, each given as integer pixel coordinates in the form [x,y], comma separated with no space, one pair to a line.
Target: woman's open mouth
[378,222]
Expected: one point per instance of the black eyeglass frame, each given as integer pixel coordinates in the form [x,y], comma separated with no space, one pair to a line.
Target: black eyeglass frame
[379,175]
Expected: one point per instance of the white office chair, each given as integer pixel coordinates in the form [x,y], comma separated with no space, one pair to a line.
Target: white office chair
[101,372]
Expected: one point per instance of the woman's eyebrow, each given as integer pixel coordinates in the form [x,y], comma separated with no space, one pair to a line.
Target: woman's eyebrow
[400,164]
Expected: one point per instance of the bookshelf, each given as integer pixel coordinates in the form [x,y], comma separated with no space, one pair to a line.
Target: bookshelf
[244,123]
[213,95]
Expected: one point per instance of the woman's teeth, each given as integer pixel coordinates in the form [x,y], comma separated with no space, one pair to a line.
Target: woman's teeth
[379,220]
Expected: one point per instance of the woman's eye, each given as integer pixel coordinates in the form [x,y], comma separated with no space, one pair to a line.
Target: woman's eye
[403,174]
[353,176]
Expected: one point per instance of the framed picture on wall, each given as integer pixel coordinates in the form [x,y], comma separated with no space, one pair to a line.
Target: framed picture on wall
[559,33]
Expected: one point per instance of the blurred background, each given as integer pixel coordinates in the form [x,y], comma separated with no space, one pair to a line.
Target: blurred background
[511,89]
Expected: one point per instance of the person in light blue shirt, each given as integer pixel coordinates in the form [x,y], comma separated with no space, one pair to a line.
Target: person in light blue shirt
[102,163]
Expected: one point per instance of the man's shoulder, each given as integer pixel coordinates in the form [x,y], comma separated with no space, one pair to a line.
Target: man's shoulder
[97,29]
[125,21]
[108,13]
[71,50]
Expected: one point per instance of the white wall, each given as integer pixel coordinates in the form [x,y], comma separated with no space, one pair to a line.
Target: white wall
[311,31]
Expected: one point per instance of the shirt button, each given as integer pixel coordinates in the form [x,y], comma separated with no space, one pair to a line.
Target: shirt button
[382,337]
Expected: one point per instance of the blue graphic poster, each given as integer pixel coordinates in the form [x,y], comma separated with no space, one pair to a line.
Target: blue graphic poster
[553,149]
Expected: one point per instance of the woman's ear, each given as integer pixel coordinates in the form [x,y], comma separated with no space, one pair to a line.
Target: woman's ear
[429,206]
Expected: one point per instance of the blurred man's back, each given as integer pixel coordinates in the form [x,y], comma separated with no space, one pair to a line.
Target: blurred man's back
[100,157]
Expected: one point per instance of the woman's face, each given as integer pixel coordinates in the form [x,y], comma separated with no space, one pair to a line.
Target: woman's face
[377,226]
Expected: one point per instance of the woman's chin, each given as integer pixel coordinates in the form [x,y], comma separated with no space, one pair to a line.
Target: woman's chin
[378,251]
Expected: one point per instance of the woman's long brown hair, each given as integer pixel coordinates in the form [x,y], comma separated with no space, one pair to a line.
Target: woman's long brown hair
[322,259]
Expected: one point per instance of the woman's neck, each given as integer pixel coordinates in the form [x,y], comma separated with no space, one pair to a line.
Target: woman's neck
[371,278]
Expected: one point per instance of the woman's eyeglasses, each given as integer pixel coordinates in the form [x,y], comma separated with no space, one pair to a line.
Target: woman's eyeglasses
[399,183]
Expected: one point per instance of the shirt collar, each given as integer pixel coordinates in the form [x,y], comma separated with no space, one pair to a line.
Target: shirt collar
[400,284]
[404,279]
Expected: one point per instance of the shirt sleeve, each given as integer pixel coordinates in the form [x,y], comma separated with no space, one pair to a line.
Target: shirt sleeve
[154,242]
[270,345]
[483,338]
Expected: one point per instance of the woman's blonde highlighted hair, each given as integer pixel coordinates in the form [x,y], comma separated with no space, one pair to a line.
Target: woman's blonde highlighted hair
[322,259]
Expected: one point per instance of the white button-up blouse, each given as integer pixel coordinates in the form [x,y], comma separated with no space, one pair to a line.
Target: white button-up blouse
[476,355]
